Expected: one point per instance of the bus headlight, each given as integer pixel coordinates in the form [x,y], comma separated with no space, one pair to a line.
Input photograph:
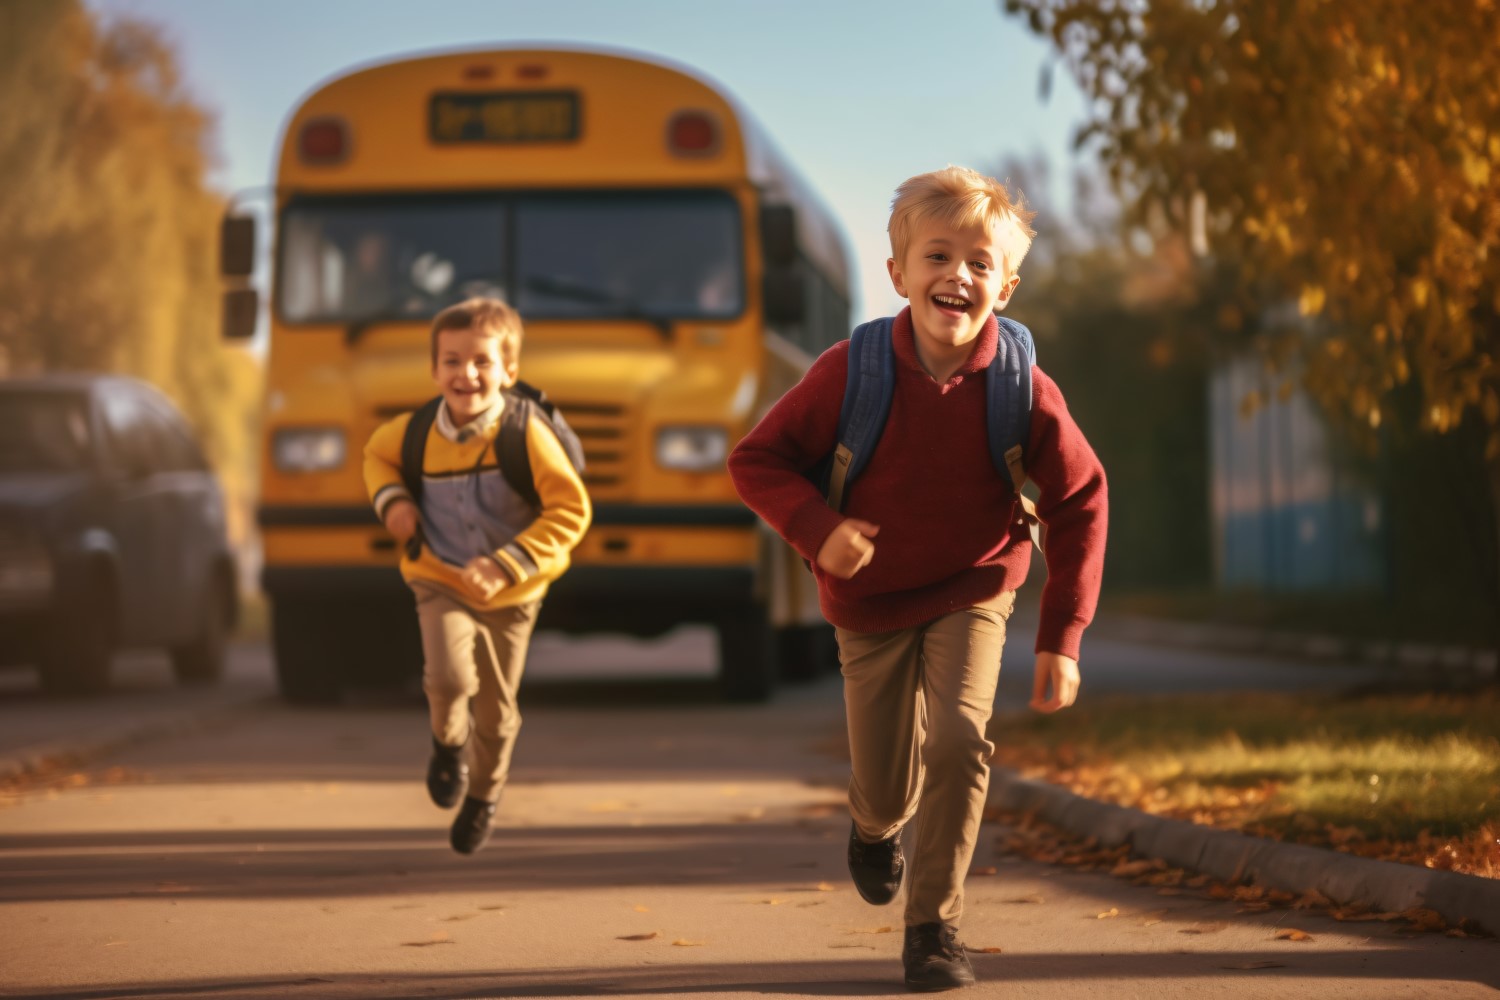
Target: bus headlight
[692,449]
[308,449]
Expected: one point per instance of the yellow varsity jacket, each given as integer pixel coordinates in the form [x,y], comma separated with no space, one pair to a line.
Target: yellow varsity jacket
[468,509]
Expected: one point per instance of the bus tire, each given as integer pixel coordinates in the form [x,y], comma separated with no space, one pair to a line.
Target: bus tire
[806,652]
[747,667]
[309,657]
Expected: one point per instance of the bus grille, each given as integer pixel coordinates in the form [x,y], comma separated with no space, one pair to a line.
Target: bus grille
[601,430]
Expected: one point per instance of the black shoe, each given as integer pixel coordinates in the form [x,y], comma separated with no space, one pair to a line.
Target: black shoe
[447,774]
[471,828]
[934,959]
[876,868]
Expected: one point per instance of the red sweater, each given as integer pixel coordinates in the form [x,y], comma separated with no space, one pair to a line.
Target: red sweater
[949,531]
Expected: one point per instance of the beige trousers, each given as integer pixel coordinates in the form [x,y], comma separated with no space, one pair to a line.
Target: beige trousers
[474,661]
[918,702]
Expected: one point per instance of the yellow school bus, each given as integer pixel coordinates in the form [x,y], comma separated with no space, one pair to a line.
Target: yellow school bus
[675,276]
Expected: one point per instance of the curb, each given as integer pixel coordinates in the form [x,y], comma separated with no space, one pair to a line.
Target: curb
[39,758]
[1385,886]
[1404,657]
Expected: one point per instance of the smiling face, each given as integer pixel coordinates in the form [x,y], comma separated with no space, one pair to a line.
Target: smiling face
[955,278]
[470,371]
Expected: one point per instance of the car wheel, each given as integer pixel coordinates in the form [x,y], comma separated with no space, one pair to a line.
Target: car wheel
[201,661]
[747,668]
[81,647]
[305,642]
[806,652]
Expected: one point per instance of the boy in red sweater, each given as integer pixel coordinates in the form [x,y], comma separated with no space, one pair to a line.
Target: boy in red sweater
[919,574]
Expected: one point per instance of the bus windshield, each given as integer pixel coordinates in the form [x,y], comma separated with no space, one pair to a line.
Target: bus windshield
[635,255]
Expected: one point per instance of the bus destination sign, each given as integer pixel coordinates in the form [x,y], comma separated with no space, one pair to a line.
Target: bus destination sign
[504,117]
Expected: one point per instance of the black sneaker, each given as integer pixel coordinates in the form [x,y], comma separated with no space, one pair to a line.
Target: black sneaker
[447,774]
[471,828]
[934,959]
[876,868]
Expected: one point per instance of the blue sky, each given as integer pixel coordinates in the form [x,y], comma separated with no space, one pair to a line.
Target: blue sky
[860,94]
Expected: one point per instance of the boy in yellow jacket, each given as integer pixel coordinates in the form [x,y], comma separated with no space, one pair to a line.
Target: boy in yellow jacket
[479,553]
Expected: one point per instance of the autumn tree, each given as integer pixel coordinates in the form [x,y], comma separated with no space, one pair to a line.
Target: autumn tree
[108,226]
[1345,158]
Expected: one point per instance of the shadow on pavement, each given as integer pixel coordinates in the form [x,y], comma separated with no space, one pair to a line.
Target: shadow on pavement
[873,977]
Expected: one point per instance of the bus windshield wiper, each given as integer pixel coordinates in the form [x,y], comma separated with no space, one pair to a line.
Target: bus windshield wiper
[623,306]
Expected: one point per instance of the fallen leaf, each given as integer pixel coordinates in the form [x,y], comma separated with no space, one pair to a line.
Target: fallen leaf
[685,943]
[825,887]
[1113,911]
[1264,963]
[495,906]
[638,937]
[1125,869]
[985,870]
[1212,928]
[1425,919]
[991,950]
[1033,898]
[441,937]
[1311,899]
[459,916]
[641,909]
[1292,934]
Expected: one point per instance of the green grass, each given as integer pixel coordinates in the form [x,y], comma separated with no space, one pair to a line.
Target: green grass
[1306,767]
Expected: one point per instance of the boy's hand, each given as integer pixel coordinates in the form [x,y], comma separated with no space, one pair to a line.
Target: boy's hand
[484,577]
[401,520]
[1061,673]
[848,548]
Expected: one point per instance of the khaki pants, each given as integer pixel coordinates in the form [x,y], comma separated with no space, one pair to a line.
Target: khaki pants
[918,701]
[474,661]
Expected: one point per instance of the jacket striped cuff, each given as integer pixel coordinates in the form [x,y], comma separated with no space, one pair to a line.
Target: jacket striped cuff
[516,561]
[387,495]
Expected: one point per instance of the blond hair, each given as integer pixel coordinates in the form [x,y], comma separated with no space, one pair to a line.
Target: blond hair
[960,197]
[489,316]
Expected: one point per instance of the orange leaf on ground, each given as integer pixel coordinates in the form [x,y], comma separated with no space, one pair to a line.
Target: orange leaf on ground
[991,950]
[1127,869]
[1292,934]
[826,887]
[1425,919]
[1113,911]
[638,937]
[685,943]
[1312,899]
[641,909]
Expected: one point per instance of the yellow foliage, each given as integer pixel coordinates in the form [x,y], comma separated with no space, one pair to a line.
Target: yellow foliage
[107,225]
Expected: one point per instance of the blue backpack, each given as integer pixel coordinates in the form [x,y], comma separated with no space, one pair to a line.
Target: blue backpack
[871,382]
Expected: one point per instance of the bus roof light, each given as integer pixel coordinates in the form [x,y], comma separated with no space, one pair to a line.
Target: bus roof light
[693,133]
[532,71]
[324,141]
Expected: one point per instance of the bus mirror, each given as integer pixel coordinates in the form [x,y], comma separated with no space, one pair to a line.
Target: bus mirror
[778,234]
[784,299]
[237,246]
[241,306]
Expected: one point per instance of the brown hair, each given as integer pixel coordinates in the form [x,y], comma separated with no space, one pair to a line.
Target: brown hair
[961,198]
[486,315]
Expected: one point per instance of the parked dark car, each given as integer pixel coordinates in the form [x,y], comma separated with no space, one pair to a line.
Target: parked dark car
[112,533]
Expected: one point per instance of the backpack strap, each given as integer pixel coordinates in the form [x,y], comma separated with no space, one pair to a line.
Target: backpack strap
[868,388]
[1008,408]
[414,446]
[510,445]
